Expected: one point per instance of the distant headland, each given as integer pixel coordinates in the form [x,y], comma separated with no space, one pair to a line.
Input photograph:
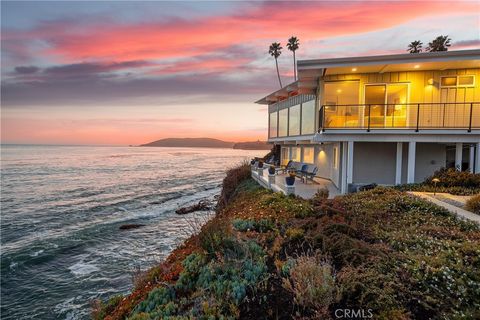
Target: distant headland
[207,143]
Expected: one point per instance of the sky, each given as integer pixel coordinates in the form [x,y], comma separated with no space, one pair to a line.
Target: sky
[121,73]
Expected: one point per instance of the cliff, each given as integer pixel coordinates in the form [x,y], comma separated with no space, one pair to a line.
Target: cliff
[383,253]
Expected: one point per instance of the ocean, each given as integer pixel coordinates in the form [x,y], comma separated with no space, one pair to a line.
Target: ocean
[61,209]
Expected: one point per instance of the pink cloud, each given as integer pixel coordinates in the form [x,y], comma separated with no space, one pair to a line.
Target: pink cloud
[272,20]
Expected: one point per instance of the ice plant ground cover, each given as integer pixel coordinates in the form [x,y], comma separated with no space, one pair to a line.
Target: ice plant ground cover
[266,255]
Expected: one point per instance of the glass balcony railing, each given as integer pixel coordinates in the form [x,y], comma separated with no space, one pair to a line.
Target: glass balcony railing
[416,116]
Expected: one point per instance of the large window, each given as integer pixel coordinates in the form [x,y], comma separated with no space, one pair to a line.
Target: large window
[294,122]
[285,156]
[308,155]
[273,124]
[283,122]
[308,117]
[295,154]
[338,96]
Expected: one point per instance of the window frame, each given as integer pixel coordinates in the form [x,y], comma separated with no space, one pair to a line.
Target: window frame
[457,85]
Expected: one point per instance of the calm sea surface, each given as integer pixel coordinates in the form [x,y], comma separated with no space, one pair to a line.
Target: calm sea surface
[61,209]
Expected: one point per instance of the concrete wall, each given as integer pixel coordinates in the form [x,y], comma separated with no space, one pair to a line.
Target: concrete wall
[374,162]
[430,157]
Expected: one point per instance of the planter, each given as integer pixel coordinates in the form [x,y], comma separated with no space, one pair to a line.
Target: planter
[260,171]
[271,180]
[271,171]
[290,181]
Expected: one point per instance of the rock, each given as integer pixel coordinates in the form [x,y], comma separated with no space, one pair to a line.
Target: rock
[130,226]
[201,205]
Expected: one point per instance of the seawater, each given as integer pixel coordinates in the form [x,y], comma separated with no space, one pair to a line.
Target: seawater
[61,209]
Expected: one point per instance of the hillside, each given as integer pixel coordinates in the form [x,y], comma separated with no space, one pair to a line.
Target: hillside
[190,143]
[254,145]
[269,256]
[207,143]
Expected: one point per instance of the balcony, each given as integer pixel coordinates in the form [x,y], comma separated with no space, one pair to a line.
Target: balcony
[407,116]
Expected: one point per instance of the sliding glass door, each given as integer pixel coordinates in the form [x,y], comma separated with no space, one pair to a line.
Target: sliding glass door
[386,105]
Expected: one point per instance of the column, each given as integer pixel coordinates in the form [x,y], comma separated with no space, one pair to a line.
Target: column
[343,172]
[471,160]
[412,148]
[458,156]
[398,167]
[477,158]
[350,163]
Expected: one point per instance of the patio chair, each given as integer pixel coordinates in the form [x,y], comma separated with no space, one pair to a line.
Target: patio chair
[308,172]
[286,168]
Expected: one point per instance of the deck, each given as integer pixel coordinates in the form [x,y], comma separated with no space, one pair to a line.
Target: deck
[303,190]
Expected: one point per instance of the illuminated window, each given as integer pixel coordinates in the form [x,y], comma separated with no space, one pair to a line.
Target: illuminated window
[285,155]
[308,154]
[294,121]
[295,154]
[448,81]
[466,81]
[273,124]
[283,122]
[308,117]
[335,157]
[457,81]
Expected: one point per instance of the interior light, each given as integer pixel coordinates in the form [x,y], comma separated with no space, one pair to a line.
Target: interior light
[416,66]
[354,69]
[339,90]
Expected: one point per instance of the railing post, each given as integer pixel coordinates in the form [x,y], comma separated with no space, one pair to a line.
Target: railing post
[418,117]
[470,120]
[368,122]
[323,119]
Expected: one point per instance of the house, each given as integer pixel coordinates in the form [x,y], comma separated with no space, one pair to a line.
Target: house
[389,119]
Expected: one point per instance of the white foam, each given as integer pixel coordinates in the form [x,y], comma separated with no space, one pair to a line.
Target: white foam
[82,268]
[36,253]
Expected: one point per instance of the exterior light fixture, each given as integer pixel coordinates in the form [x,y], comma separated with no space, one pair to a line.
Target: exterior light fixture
[354,69]
[416,66]
[435,181]
[430,81]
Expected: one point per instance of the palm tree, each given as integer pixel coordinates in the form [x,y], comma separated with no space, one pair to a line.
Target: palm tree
[415,46]
[440,43]
[293,45]
[275,51]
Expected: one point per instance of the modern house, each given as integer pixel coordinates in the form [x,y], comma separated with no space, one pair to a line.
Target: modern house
[387,119]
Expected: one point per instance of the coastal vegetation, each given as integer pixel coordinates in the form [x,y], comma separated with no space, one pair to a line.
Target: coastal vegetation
[270,256]
[449,181]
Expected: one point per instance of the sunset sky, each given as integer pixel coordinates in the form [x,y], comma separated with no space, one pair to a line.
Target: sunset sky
[132,72]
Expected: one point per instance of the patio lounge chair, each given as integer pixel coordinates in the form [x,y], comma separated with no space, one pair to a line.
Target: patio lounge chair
[308,172]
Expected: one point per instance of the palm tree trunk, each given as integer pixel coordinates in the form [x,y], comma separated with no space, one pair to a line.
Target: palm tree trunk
[278,73]
[294,67]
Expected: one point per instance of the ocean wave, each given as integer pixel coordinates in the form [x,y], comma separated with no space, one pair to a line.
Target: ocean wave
[83,268]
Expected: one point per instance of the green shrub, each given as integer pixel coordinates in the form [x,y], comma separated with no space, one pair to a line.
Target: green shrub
[453,178]
[213,235]
[293,206]
[101,309]
[295,234]
[321,194]
[233,179]
[157,298]
[312,283]
[473,204]
[262,225]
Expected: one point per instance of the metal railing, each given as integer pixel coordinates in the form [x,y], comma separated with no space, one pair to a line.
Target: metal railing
[413,116]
